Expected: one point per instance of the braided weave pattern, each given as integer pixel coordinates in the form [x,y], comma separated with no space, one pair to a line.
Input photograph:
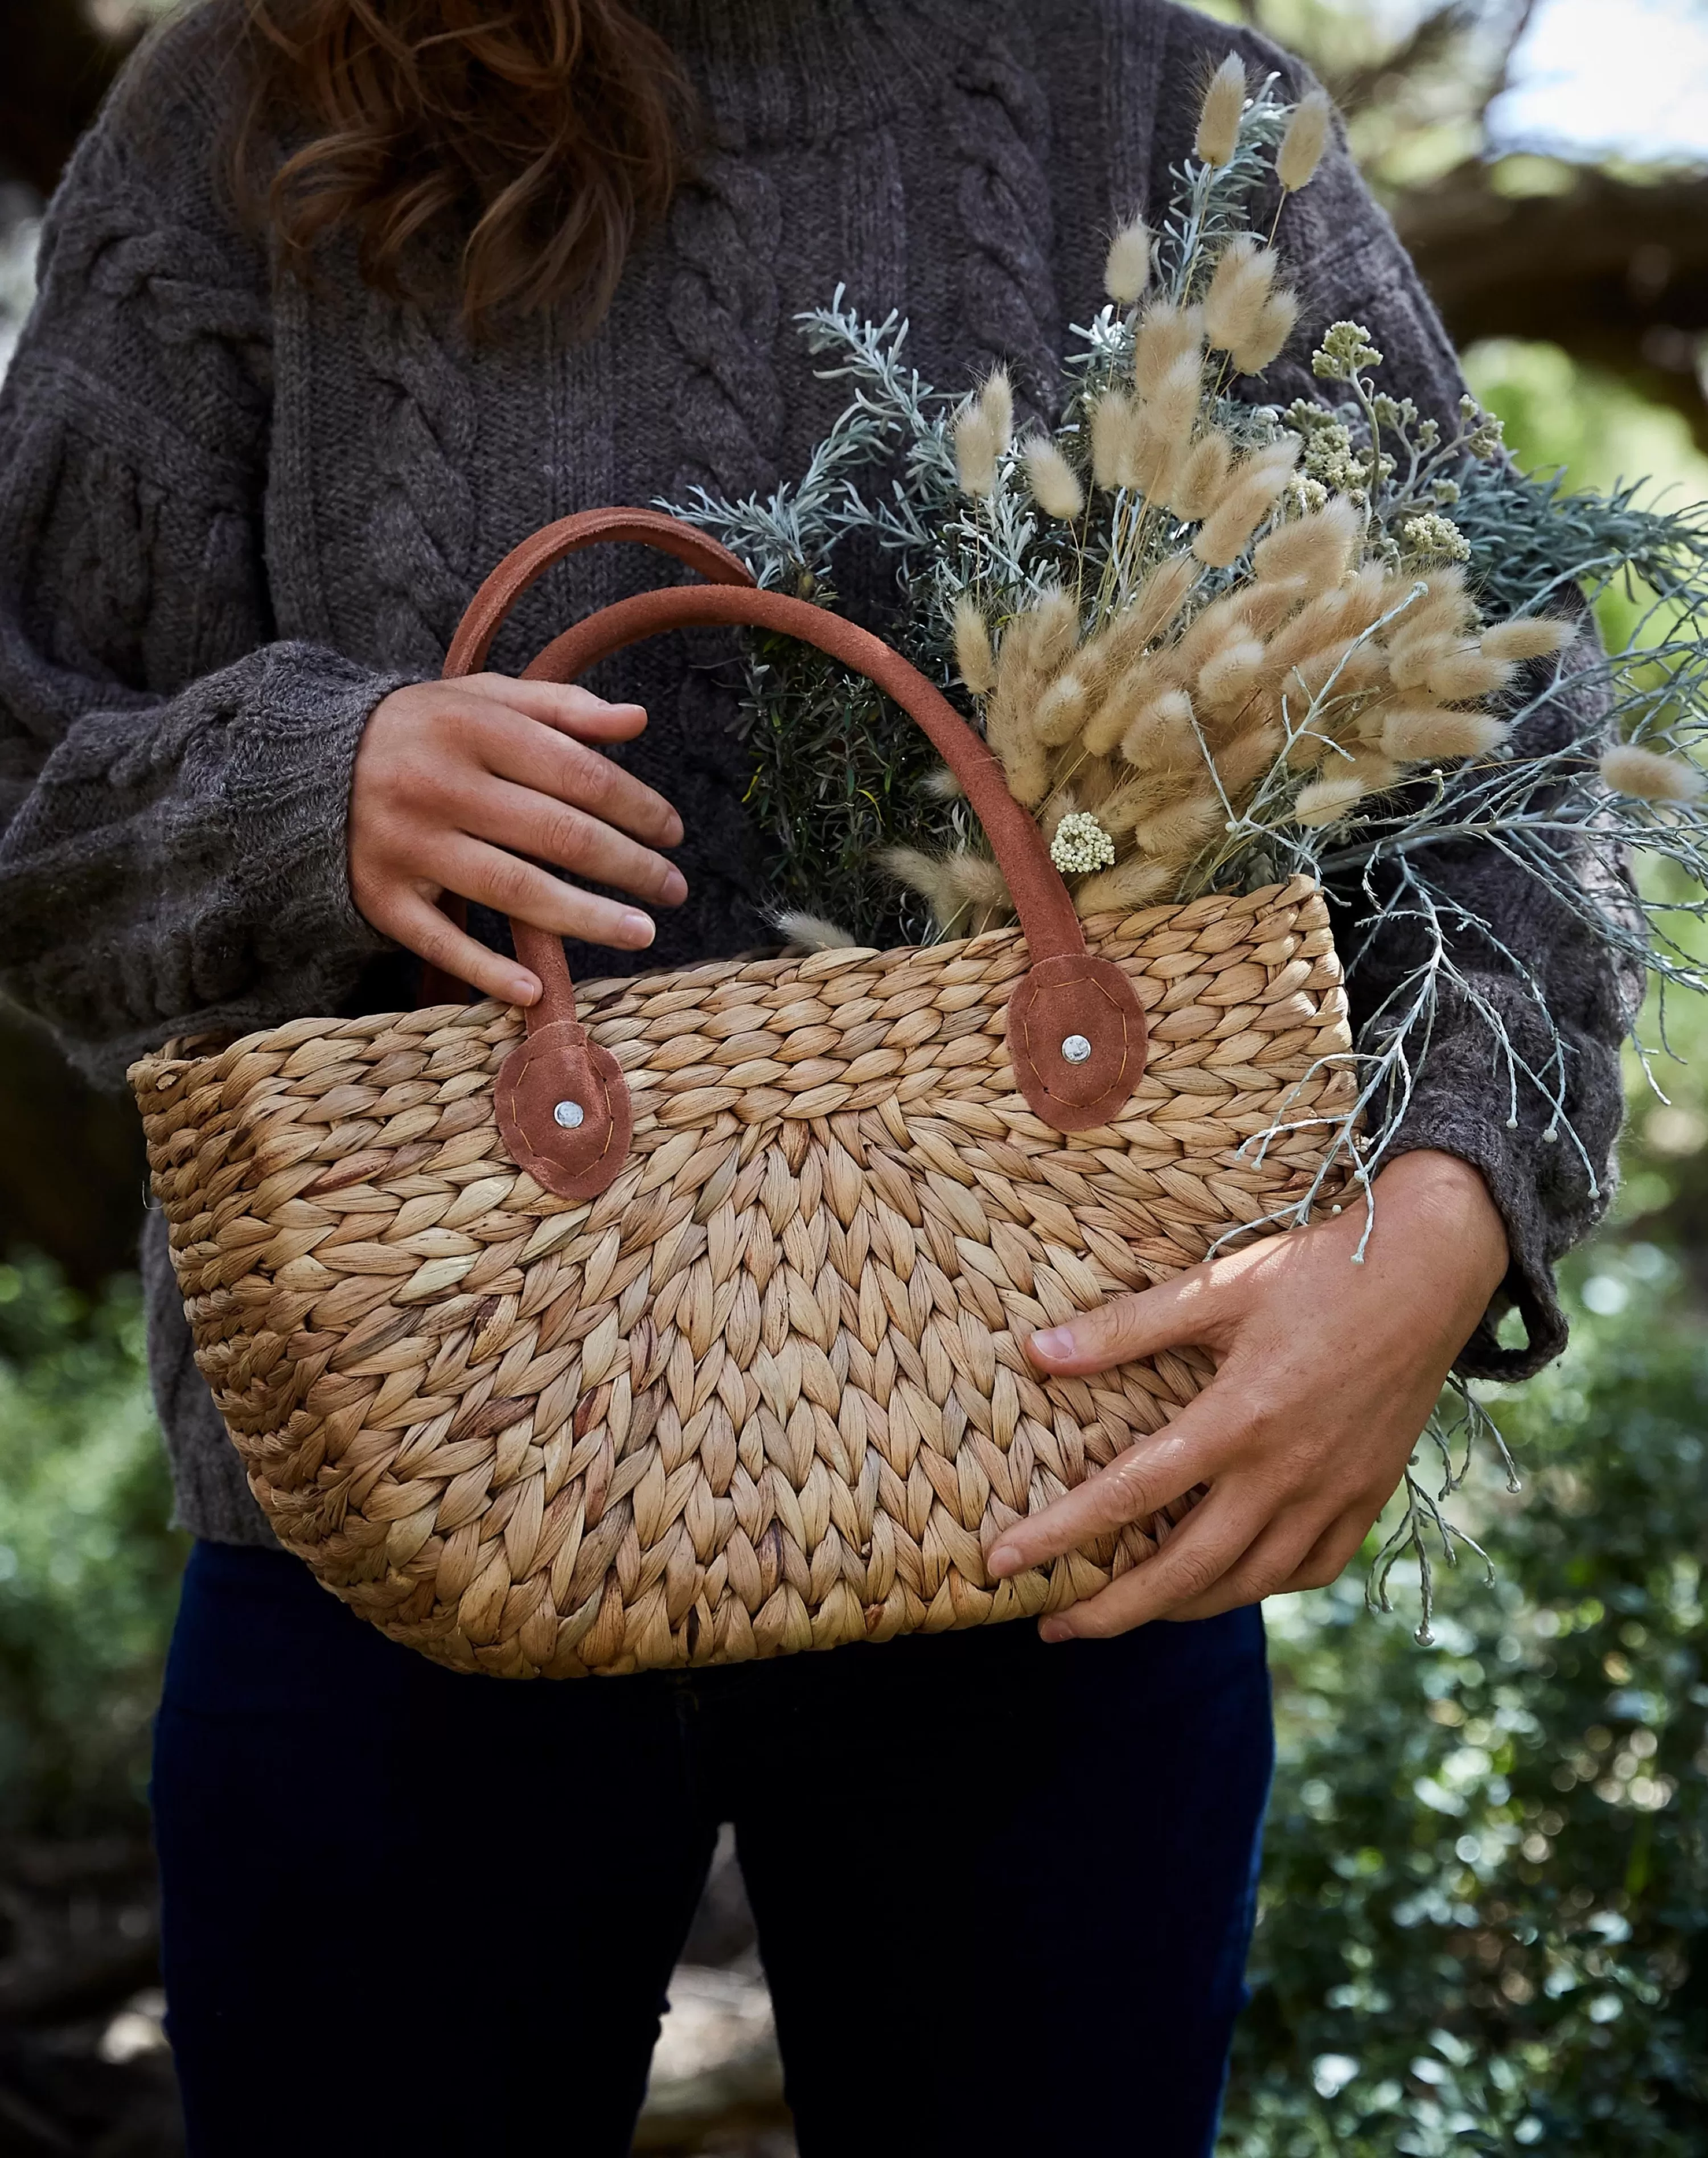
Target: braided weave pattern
[996,117]
[421,532]
[729,410]
[767,1391]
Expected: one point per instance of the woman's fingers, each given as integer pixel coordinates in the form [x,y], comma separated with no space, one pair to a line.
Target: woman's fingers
[1268,1566]
[1211,1540]
[1295,1552]
[1194,1307]
[519,749]
[534,824]
[1147,1477]
[1332,1552]
[492,877]
[420,927]
[456,782]
[1325,1373]
[564,705]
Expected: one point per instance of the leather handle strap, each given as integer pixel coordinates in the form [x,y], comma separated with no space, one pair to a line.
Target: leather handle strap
[1040,897]
[1076,1029]
[486,614]
[523,565]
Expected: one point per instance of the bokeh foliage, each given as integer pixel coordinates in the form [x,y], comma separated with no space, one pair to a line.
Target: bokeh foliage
[88,1565]
[1486,1893]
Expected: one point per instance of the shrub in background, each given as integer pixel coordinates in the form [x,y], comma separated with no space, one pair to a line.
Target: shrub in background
[88,1566]
[1485,1902]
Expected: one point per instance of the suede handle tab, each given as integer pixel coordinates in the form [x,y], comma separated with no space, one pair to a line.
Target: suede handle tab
[1075,1027]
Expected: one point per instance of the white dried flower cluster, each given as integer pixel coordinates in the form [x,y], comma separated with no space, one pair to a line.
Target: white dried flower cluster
[1432,538]
[1396,413]
[1081,845]
[1488,435]
[1329,457]
[1344,352]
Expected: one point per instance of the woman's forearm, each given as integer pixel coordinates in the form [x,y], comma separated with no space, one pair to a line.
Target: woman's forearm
[177,864]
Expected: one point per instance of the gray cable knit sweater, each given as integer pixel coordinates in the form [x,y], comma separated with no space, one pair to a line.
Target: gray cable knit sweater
[235,511]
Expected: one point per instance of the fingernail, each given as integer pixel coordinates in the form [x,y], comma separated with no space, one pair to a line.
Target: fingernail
[638,929]
[1053,1341]
[1055,1629]
[1004,1559]
[525,989]
[673,835]
[675,888]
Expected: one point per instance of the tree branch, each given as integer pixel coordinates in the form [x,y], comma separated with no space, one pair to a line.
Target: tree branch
[1613,269]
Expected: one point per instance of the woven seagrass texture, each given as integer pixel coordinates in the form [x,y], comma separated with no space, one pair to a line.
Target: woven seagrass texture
[767,1392]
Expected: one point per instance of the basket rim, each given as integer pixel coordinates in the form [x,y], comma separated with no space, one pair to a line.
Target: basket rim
[181,1049]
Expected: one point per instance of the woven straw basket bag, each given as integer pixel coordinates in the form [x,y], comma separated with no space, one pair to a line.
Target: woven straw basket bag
[679,1320]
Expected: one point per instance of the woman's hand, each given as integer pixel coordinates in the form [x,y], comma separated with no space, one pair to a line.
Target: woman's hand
[1326,1373]
[458,783]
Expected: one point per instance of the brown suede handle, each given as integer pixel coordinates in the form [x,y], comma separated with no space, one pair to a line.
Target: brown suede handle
[1076,1031]
[485,616]
[1039,896]
[487,611]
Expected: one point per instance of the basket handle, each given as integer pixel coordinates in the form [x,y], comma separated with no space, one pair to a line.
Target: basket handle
[1076,1028]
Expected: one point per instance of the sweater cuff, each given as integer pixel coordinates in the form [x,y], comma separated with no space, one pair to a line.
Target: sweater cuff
[291,795]
[1529,1287]
[251,922]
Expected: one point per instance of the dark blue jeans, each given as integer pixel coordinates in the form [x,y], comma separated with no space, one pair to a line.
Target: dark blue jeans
[1003,1890]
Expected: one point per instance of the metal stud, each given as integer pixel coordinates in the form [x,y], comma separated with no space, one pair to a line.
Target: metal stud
[1076,1049]
[569,1114]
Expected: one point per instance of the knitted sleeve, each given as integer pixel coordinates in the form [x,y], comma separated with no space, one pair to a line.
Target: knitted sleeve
[173,781]
[1344,258]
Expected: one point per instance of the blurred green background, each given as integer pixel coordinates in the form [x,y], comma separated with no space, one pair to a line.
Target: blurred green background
[1486,1907]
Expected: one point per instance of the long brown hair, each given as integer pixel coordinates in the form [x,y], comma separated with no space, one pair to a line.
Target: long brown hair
[545,136]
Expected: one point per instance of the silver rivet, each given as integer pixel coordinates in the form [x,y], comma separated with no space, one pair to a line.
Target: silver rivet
[569,1114]
[1076,1049]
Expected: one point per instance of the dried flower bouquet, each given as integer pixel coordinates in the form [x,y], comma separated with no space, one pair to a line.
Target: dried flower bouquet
[1214,642]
